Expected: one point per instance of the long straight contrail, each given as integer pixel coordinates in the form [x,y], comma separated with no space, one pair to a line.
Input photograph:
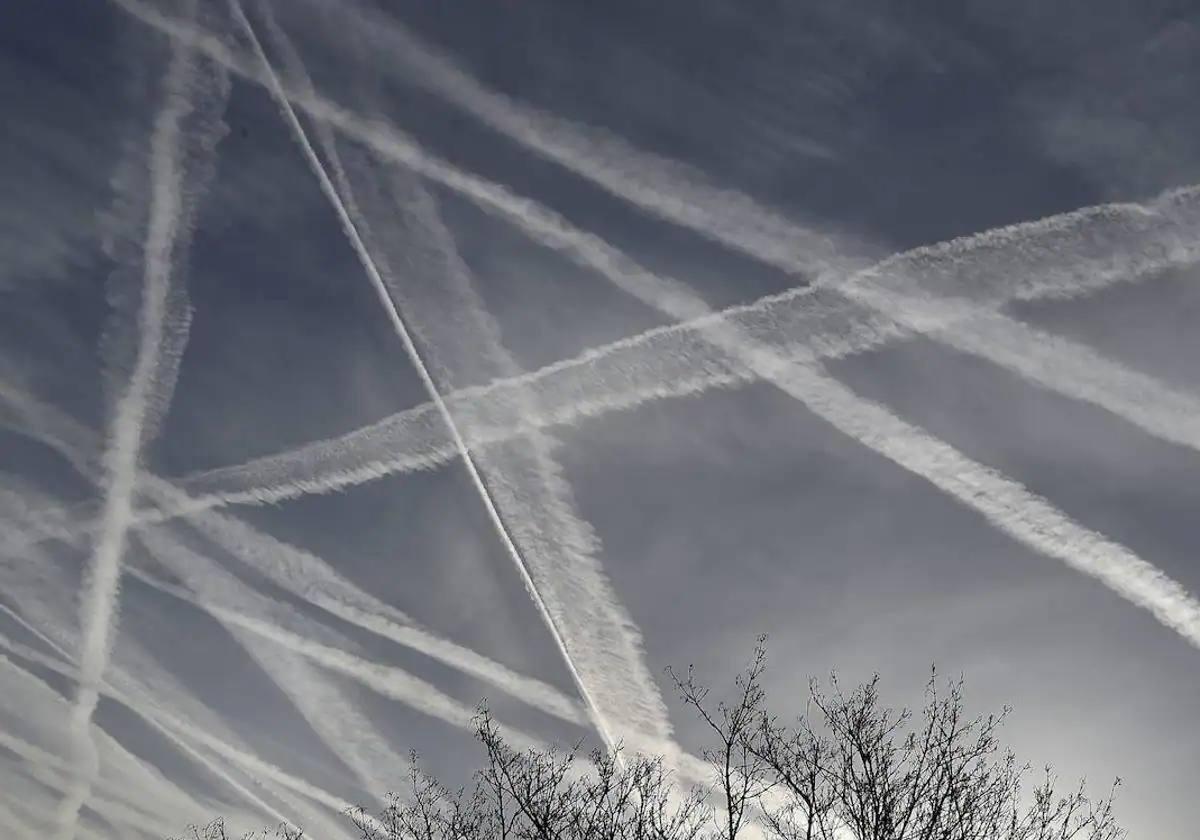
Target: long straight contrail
[414,355]
[1007,504]
[524,479]
[99,604]
[277,628]
[676,360]
[193,738]
[551,230]
[39,586]
[38,704]
[295,570]
[661,186]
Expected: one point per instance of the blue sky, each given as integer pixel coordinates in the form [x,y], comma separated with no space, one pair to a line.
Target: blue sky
[642,260]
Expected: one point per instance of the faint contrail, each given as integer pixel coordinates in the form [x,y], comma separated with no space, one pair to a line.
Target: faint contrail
[523,476]
[297,571]
[193,737]
[333,716]
[334,720]
[112,809]
[415,357]
[98,609]
[41,707]
[218,593]
[37,600]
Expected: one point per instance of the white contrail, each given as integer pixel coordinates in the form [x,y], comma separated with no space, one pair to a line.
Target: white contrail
[1007,504]
[333,718]
[136,674]
[219,593]
[658,185]
[332,715]
[191,737]
[463,343]
[295,570]
[676,360]
[98,609]
[415,357]
[40,588]
[42,708]
[681,196]
[551,230]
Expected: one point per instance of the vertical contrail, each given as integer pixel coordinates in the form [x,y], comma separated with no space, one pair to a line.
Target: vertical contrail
[422,371]
[99,607]
[526,482]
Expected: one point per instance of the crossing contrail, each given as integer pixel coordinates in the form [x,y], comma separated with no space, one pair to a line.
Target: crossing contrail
[297,571]
[676,360]
[1005,503]
[658,185]
[192,738]
[98,610]
[42,708]
[39,588]
[277,628]
[415,357]
[1175,211]
[463,343]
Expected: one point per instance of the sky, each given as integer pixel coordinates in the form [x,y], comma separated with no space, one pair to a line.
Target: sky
[363,361]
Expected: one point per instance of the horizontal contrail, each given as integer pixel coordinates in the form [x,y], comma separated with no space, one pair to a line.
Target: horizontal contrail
[98,610]
[524,478]
[400,327]
[676,360]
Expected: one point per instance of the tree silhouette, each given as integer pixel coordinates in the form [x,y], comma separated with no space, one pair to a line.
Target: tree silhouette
[847,768]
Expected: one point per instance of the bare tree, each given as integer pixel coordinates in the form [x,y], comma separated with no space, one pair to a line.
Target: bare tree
[847,768]
[215,830]
[850,768]
[542,795]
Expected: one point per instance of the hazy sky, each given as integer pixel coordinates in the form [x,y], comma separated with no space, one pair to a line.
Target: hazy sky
[241,247]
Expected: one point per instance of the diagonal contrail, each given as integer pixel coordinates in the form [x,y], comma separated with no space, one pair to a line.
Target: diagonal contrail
[297,571]
[255,619]
[192,738]
[1104,383]
[42,708]
[166,220]
[39,586]
[675,360]
[524,478]
[1005,503]
[414,355]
